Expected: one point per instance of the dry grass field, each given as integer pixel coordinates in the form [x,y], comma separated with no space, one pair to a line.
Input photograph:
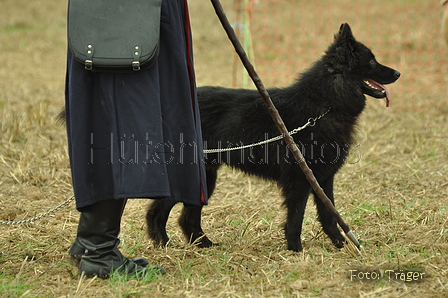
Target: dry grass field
[393,193]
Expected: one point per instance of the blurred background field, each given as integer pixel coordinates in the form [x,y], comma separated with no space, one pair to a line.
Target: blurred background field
[395,198]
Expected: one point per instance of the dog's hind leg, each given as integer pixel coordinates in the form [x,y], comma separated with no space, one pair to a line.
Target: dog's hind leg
[327,220]
[190,219]
[156,219]
[190,223]
[296,195]
[212,174]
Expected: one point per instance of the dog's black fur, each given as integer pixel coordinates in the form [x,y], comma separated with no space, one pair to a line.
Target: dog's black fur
[231,117]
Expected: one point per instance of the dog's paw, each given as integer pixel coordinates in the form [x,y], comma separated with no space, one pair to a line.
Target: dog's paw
[204,242]
[296,247]
[339,243]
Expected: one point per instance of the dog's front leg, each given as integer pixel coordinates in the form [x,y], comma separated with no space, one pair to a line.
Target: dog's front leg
[327,220]
[296,196]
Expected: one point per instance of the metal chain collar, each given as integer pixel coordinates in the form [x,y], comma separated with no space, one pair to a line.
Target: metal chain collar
[311,122]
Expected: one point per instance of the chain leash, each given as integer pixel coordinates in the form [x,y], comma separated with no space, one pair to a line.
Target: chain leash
[311,122]
[68,201]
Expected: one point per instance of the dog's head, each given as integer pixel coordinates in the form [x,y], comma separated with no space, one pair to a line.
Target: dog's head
[348,57]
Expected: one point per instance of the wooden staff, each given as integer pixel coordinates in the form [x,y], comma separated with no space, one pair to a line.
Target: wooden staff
[279,122]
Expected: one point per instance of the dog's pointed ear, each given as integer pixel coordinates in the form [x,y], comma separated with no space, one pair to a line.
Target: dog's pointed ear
[342,50]
[345,33]
[345,30]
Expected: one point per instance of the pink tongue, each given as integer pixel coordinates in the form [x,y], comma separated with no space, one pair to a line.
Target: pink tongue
[381,87]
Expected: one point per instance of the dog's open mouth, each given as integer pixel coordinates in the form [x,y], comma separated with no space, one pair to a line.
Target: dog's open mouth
[379,91]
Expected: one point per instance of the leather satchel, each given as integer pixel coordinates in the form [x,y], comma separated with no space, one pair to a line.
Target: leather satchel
[114,35]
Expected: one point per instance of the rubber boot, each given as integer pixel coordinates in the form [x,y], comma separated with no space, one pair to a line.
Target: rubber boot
[76,250]
[98,230]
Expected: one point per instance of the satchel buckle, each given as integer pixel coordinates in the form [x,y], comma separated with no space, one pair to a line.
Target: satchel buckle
[88,64]
[136,66]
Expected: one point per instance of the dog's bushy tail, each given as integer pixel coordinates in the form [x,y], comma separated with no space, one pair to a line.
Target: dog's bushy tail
[61,117]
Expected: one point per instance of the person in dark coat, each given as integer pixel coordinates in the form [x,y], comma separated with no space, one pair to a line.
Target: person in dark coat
[133,135]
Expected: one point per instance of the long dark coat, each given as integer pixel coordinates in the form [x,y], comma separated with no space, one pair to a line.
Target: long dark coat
[137,135]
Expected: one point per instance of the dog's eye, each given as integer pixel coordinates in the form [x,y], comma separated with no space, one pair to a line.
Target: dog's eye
[372,62]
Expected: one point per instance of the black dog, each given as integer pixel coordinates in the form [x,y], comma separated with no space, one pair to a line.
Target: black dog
[335,87]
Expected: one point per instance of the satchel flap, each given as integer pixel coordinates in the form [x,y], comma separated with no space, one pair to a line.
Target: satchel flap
[113,28]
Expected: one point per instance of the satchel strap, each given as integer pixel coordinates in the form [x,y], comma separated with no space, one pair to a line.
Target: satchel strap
[136,62]
[88,64]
